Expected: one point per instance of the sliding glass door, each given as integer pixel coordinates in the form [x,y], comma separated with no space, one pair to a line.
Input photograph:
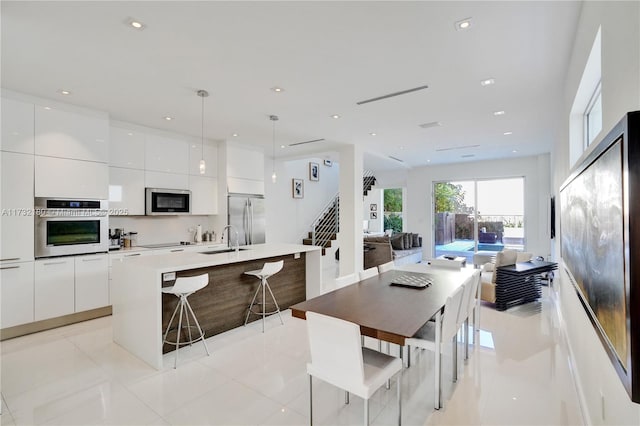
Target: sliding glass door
[478,216]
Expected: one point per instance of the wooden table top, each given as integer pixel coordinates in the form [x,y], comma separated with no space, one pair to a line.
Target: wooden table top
[387,312]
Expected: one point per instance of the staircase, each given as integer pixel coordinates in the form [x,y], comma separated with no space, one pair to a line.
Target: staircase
[326,226]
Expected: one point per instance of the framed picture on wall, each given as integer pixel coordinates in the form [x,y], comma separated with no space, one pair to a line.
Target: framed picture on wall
[297,188]
[314,172]
[373,207]
[373,215]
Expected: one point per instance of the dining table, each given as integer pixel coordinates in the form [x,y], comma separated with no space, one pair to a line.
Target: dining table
[391,312]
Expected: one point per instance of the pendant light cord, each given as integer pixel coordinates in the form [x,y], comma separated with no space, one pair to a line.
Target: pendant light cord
[202,133]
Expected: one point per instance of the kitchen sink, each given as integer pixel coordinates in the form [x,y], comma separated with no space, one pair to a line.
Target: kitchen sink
[227,250]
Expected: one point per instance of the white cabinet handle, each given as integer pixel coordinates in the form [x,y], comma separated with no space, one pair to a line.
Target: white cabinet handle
[175,250]
[93,259]
[54,263]
[10,267]
[132,254]
[9,258]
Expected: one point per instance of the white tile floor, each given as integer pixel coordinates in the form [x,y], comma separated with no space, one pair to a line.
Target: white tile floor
[76,375]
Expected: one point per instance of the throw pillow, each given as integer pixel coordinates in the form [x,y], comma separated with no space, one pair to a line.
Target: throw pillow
[397,242]
[415,242]
[384,239]
[407,240]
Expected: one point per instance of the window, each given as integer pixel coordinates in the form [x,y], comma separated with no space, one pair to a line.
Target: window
[478,215]
[593,117]
[393,209]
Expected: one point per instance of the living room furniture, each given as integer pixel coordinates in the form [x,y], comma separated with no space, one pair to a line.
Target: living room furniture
[443,261]
[488,280]
[390,313]
[361,371]
[520,283]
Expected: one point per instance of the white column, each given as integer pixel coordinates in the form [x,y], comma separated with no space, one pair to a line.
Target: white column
[350,236]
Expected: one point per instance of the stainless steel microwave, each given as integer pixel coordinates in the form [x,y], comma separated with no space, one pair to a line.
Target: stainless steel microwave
[162,201]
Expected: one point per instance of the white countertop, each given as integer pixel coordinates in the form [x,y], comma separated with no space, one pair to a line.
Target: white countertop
[192,260]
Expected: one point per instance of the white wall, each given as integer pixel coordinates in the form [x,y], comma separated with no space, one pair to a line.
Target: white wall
[620,23]
[375,196]
[164,229]
[288,219]
[418,216]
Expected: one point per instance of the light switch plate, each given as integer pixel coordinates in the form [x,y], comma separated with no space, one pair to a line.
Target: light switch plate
[296,255]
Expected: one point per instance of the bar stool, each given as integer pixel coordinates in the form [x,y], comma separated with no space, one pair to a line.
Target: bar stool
[269,269]
[183,288]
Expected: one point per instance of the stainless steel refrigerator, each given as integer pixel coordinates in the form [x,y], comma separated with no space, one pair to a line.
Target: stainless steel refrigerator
[247,215]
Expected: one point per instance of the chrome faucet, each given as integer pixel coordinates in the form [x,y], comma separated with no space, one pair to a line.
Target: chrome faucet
[237,237]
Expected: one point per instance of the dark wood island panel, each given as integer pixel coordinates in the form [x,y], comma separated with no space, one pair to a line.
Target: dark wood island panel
[222,305]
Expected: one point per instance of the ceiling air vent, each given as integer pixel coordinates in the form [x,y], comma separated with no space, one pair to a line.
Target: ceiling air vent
[467,155]
[302,143]
[391,95]
[457,147]
[431,124]
[397,159]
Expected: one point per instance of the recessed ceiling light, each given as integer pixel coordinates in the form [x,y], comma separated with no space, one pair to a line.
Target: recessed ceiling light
[498,113]
[335,116]
[373,134]
[283,146]
[430,124]
[64,92]
[47,108]
[277,89]
[428,161]
[487,82]
[130,134]
[194,146]
[514,151]
[463,24]
[402,147]
[166,117]
[235,135]
[135,24]
[507,133]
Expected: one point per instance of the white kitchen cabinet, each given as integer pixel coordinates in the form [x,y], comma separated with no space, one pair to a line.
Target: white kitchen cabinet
[60,177]
[91,281]
[210,158]
[126,148]
[66,134]
[204,195]
[245,163]
[166,180]
[126,191]
[54,287]
[17,126]
[16,293]
[16,207]
[164,154]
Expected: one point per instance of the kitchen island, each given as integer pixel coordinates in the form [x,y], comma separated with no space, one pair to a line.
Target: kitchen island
[141,311]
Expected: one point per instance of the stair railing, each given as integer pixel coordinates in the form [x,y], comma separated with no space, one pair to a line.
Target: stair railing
[325,225]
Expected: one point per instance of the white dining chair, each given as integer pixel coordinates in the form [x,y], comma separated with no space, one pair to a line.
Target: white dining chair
[338,358]
[386,267]
[346,280]
[431,337]
[368,273]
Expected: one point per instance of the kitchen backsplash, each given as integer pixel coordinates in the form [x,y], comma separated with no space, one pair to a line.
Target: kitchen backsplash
[164,229]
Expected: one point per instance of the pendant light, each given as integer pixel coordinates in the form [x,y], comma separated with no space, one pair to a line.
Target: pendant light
[273,119]
[203,94]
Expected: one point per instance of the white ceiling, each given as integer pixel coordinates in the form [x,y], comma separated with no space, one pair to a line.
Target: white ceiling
[326,55]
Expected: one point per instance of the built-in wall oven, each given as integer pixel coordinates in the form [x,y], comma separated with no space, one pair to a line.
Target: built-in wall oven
[70,226]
